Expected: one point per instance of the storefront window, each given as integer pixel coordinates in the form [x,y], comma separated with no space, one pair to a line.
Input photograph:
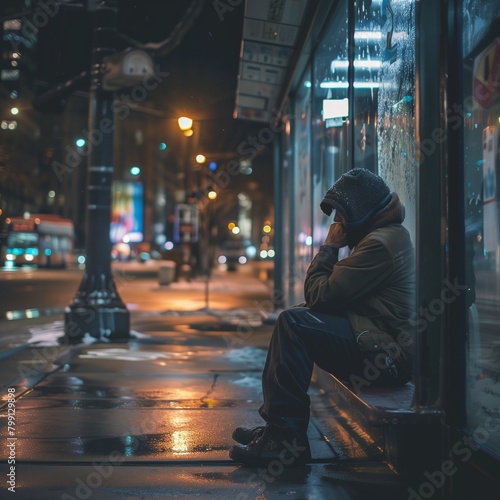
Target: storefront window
[285,179]
[481,112]
[367,64]
[330,111]
[302,176]
[395,123]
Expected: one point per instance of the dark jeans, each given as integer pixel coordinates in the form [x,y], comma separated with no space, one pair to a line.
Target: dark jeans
[302,337]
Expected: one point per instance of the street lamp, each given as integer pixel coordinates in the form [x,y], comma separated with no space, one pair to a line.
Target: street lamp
[97,308]
[209,251]
[186,125]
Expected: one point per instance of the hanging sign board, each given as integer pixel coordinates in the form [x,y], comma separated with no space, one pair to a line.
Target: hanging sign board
[186,223]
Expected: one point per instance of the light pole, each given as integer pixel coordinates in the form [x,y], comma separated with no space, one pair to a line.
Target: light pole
[97,308]
[212,197]
[186,126]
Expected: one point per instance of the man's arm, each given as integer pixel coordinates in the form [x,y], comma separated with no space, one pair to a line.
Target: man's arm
[332,285]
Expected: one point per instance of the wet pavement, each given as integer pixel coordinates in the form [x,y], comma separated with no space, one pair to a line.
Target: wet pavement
[152,417]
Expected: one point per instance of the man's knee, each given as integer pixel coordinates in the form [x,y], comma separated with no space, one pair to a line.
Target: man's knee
[291,316]
[291,323]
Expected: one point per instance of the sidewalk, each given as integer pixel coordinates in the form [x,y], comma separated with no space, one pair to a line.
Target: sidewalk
[152,417]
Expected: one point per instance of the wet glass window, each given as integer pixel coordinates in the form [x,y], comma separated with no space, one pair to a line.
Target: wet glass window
[330,112]
[367,63]
[392,50]
[302,176]
[286,184]
[480,111]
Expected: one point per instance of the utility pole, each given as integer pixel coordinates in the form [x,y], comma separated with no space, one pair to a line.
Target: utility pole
[97,309]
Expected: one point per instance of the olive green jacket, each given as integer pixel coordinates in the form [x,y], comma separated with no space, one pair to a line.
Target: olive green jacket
[374,286]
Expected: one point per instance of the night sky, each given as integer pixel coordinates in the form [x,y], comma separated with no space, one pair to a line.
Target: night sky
[202,70]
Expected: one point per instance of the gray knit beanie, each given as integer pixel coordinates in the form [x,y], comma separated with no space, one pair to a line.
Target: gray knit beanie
[357,195]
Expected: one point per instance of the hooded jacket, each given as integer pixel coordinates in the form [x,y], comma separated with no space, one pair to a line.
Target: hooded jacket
[374,286]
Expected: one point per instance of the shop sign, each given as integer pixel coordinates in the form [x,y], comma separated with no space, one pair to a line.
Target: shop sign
[186,223]
[486,80]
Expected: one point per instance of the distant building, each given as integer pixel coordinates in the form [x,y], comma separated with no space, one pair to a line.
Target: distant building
[19,127]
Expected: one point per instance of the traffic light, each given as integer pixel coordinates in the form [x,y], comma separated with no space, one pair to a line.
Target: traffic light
[135,171]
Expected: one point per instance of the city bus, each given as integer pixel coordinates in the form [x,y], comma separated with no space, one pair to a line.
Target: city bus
[38,240]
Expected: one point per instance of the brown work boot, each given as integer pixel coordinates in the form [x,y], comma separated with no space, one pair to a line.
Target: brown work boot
[273,444]
[244,435]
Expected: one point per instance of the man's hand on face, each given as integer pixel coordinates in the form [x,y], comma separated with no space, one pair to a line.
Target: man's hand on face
[336,236]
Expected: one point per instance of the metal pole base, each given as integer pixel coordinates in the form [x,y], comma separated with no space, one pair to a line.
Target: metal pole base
[102,323]
[97,311]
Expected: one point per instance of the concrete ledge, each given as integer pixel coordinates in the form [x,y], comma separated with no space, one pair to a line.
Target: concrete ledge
[375,405]
[383,416]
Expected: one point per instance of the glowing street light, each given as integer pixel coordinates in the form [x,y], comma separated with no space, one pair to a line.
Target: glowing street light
[14,111]
[201,158]
[185,123]
[212,195]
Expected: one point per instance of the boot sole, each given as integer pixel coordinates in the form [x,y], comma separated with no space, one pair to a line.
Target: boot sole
[239,455]
[247,439]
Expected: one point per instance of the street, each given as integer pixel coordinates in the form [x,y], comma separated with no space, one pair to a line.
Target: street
[152,417]
[137,283]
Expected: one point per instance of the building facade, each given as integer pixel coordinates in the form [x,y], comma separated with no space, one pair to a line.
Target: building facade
[409,90]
